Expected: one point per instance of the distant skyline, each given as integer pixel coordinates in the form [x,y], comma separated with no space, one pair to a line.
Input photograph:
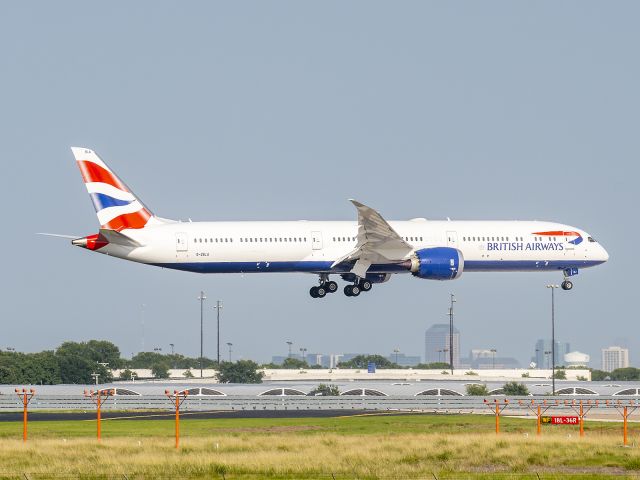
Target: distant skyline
[271,111]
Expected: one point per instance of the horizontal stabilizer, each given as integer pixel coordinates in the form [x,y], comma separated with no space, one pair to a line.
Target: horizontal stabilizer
[118,238]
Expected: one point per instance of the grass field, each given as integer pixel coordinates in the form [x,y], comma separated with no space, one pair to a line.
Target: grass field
[362,447]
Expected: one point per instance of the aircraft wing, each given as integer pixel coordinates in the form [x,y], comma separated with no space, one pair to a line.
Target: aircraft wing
[377,242]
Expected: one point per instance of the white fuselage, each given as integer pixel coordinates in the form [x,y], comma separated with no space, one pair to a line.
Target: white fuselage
[314,246]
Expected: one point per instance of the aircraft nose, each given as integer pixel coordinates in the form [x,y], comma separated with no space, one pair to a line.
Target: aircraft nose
[604,254]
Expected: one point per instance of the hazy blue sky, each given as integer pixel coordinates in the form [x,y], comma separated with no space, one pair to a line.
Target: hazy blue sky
[283,110]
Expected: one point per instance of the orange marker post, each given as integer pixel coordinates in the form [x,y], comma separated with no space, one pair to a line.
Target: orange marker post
[625,414]
[177,398]
[497,410]
[625,411]
[99,397]
[25,397]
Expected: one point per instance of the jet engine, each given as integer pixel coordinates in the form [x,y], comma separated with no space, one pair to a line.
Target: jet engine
[438,263]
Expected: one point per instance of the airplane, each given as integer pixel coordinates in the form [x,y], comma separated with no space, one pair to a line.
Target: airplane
[363,252]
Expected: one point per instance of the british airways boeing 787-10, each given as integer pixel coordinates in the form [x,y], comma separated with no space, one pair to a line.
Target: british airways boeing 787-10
[362,252]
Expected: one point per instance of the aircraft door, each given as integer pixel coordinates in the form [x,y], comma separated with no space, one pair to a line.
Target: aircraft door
[569,248]
[452,239]
[182,245]
[316,240]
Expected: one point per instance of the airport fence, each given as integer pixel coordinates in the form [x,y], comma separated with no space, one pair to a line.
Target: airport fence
[435,404]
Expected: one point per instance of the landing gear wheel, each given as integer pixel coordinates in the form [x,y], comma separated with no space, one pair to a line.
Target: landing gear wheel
[347,290]
[355,290]
[320,291]
[567,285]
[365,285]
[313,291]
[331,287]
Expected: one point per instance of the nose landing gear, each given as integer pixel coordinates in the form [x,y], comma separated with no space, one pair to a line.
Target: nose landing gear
[567,285]
[568,272]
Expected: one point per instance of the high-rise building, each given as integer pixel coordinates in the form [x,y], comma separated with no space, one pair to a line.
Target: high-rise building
[436,344]
[542,356]
[614,357]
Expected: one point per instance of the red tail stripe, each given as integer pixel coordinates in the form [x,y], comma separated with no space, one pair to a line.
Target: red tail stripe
[129,220]
[96,242]
[92,172]
[558,233]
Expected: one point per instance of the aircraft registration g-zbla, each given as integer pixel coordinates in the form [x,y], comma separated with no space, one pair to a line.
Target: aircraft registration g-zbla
[362,252]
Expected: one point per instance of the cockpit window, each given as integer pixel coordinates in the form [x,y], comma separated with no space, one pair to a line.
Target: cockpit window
[592,240]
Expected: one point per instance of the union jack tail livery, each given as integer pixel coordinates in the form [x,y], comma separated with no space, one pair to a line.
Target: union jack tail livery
[116,206]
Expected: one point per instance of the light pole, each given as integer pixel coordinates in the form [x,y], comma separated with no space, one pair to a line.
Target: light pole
[453,300]
[218,307]
[229,344]
[171,345]
[396,351]
[493,351]
[142,315]
[553,338]
[289,343]
[303,351]
[202,298]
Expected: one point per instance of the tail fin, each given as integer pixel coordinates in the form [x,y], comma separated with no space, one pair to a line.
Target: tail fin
[116,206]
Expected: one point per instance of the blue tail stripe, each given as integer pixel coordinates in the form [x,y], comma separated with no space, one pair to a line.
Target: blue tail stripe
[102,201]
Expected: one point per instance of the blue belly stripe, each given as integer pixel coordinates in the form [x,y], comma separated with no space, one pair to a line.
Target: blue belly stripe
[325,266]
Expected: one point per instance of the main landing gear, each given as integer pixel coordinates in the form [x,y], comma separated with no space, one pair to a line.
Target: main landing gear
[329,286]
[357,287]
[326,286]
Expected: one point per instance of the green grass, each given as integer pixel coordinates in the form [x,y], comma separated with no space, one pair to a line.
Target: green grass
[347,425]
[363,447]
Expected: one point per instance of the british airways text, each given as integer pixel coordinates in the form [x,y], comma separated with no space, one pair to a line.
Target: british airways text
[532,246]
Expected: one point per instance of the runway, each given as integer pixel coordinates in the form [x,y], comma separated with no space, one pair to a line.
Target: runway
[199,415]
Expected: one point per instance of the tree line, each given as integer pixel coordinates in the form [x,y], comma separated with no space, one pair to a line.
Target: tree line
[79,362]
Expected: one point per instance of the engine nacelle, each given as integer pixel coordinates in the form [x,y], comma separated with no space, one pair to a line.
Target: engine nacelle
[438,263]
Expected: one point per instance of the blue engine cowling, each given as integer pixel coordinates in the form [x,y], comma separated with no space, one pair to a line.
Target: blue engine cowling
[438,263]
